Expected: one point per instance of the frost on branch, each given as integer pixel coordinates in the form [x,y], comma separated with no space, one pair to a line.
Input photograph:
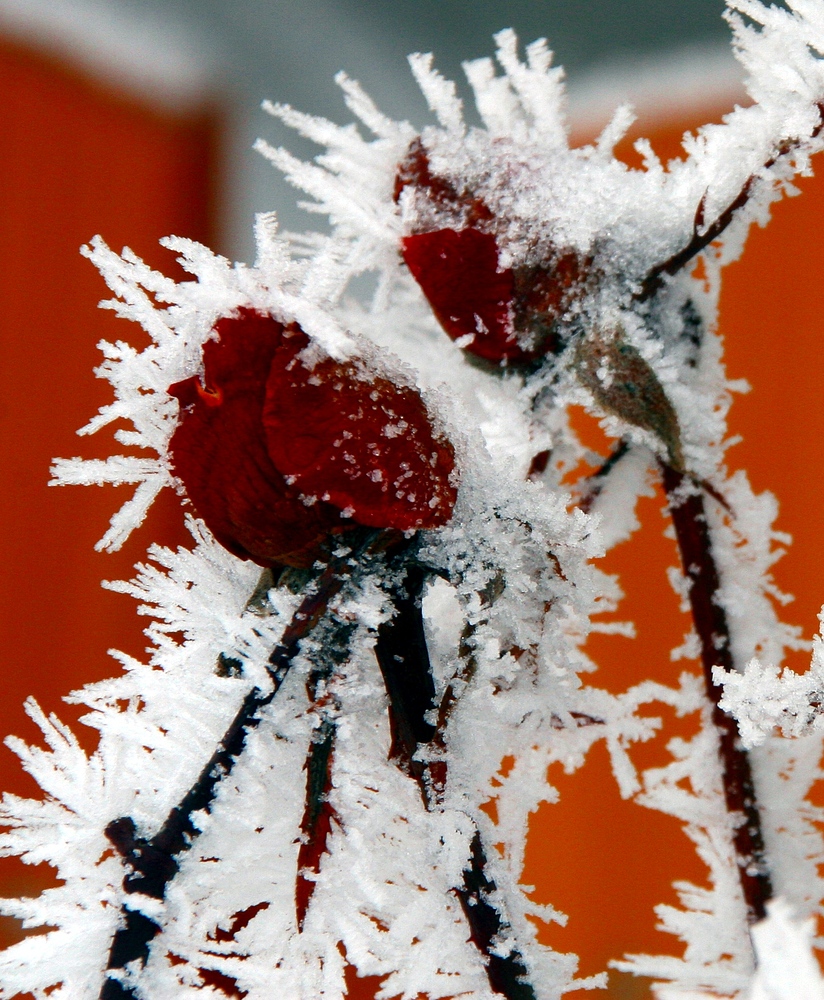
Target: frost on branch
[787,967]
[764,698]
[392,665]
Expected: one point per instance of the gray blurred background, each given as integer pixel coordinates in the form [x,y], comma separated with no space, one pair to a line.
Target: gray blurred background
[289,50]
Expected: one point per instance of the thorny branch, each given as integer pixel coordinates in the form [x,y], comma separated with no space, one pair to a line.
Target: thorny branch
[702,237]
[419,748]
[685,495]
[318,812]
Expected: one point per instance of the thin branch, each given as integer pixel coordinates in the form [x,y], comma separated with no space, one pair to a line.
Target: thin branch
[701,237]
[595,483]
[687,509]
[403,658]
[506,973]
[154,861]
[318,812]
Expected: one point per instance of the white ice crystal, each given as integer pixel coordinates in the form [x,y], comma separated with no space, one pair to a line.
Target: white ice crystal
[764,697]
[787,967]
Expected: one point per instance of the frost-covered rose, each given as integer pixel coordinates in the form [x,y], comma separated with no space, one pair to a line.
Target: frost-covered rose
[505,315]
[276,454]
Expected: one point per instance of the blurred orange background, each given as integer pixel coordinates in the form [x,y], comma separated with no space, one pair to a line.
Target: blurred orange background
[79,158]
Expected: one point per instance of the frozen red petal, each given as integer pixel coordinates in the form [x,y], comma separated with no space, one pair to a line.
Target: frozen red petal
[366,446]
[218,449]
[459,274]
[415,171]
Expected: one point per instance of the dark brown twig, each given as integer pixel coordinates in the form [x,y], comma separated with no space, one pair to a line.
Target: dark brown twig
[701,237]
[403,658]
[506,973]
[595,483]
[687,509]
[154,861]
[318,815]
[318,812]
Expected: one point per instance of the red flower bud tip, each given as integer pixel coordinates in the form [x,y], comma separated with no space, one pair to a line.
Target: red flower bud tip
[359,442]
[275,456]
[505,316]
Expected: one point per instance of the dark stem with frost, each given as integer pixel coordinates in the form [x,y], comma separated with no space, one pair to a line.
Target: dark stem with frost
[506,974]
[332,651]
[318,814]
[703,235]
[596,482]
[154,861]
[403,658]
[688,512]
[404,662]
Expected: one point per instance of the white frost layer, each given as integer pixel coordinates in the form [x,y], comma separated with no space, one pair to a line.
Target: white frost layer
[765,698]
[526,698]
[787,967]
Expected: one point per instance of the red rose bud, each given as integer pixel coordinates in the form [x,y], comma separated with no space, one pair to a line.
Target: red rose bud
[218,449]
[256,446]
[503,315]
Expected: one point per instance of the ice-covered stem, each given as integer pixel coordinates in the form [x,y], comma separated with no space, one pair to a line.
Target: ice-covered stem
[403,659]
[703,235]
[418,742]
[506,973]
[419,748]
[318,811]
[688,512]
[595,483]
[153,862]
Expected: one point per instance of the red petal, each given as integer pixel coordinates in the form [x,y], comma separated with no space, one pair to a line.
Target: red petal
[219,452]
[458,273]
[457,269]
[365,446]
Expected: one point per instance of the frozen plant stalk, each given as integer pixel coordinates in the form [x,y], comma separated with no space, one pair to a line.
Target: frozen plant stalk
[389,589]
